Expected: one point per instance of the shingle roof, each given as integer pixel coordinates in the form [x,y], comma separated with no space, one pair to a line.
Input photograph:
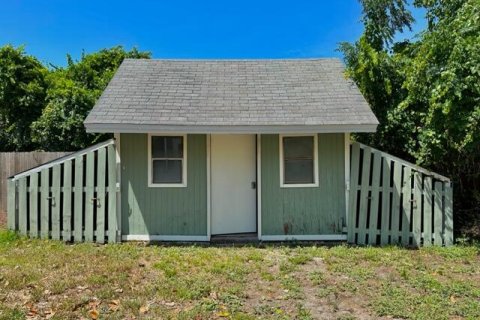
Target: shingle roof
[203,95]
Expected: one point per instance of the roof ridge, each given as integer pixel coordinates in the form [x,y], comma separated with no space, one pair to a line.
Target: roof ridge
[232,59]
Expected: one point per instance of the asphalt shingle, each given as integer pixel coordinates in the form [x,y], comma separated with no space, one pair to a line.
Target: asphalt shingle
[252,93]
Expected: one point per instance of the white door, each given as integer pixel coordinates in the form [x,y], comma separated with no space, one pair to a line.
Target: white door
[233,183]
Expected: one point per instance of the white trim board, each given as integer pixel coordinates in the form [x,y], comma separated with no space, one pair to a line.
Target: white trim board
[259,186]
[228,129]
[347,175]
[312,237]
[146,237]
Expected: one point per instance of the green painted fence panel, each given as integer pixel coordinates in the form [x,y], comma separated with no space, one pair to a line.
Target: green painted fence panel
[45,204]
[438,214]
[78,201]
[413,204]
[385,225]
[352,201]
[89,199]
[100,203]
[427,211]
[417,206]
[363,200]
[33,194]
[67,201]
[112,192]
[22,206]
[68,198]
[12,217]
[406,205]
[448,230]
[377,170]
[55,202]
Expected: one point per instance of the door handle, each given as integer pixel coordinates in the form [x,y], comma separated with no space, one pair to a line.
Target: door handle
[254,185]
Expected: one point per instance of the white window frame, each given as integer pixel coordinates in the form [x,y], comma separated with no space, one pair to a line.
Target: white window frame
[183,184]
[315,162]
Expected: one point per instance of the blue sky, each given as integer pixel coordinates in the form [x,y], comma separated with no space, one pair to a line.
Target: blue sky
[184,29]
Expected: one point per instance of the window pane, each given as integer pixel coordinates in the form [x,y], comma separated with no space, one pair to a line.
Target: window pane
[167,171]
[167,147]
[298,171]
[298,147]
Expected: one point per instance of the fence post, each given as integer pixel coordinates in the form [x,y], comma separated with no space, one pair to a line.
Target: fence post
[448,231]
[112,194]
[352,211]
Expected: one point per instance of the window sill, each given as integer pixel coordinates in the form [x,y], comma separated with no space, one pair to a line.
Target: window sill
[167,185]
[299,185]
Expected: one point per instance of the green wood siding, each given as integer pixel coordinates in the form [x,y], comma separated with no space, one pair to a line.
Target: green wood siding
[163,211]
[310,210]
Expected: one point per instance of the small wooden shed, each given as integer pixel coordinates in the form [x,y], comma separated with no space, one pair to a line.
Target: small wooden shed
[260,147]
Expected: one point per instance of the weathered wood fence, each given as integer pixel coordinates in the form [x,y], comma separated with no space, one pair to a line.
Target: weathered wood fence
[73,198]
[392,201]
[12,163]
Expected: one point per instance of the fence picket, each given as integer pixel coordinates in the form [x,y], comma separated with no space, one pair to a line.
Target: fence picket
[438,214]
[55,202]
[78,200]
[89,200]
[406,205]
[45,204]
[67,201]
[12,217]
[427,211]
[363,200]
[385,202]
[377,167]
[33,205]
[397,189]
[22,206]
[448,230]
[417,206]
[101,205]
[352,201]
[112,192]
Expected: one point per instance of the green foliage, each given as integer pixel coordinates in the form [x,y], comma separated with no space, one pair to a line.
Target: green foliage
[426,94]
[22,96]
[382,19]
[71,95]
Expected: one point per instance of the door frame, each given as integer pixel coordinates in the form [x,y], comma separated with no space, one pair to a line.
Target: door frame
[258,185]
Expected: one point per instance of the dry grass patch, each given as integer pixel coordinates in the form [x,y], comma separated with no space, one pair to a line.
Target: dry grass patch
[49,279]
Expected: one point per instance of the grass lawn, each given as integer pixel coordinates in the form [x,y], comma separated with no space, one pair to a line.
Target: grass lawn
[49,279]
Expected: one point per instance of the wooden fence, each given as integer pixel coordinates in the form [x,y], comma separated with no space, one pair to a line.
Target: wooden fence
[71,198]
[12,163]
[392,201]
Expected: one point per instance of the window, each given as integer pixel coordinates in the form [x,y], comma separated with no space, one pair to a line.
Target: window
[167,161]
[298,161]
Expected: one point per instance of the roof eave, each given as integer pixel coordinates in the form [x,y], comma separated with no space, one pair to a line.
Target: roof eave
[207,129]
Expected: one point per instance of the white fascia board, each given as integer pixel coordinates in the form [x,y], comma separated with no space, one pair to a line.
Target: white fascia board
[227,129]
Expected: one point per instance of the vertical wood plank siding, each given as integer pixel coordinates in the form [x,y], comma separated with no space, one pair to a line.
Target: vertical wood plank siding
[415,208]
[310,210]
[163,211]
[64,199]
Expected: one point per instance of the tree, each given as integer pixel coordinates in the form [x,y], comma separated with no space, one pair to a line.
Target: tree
[22,97]
[426,94]
[72,94]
